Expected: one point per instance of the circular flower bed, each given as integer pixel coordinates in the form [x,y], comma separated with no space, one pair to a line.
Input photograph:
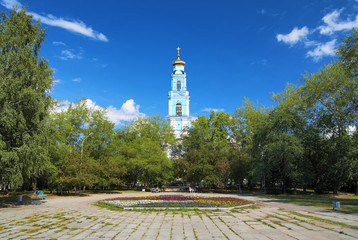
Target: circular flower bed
[176,201]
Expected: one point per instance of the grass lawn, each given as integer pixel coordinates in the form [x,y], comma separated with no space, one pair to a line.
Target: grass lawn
[349,202]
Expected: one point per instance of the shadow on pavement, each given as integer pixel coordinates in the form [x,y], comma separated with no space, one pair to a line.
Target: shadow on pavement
[12,204]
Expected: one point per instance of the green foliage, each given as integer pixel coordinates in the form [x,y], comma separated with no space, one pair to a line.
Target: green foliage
[309,139]
[278,140]
[209,151]
[79,150]
[25,81]
[354,160]
[248,121]
[141,148]
[304,141]
[331,97]
[348,53]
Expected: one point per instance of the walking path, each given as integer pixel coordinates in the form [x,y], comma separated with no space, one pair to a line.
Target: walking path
[78,218]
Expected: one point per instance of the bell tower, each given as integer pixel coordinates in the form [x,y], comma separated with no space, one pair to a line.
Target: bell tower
[179,98]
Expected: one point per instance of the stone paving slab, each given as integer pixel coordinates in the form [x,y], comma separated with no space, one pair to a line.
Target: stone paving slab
[78,218]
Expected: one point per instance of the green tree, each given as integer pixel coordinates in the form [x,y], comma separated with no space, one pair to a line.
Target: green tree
[204,166]
[247,120]
[25,82]
[354,158]
[141,146]
[348,53]
[277,148]
[331,100]
[80,148]
[207,149]
[154,127]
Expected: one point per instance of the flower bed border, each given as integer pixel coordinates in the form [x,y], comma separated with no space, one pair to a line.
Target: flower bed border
[178,199]
[189,208]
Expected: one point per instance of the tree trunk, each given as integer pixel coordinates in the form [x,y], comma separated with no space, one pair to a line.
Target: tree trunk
[284,187]
[134,182]
[316,173]
[335,189]
[5,190]
[240,188]
[356,193]
[35,184]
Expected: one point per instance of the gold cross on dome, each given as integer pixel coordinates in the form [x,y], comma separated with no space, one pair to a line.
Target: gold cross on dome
[178,51]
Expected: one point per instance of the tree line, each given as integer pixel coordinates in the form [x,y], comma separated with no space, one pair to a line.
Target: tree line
[309,139]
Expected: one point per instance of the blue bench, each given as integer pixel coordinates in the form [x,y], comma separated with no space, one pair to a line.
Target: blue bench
[155,190]
[41,194]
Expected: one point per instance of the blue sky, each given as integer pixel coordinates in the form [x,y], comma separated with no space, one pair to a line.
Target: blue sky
[118,54]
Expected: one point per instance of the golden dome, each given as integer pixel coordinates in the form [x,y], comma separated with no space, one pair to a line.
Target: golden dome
[178,61]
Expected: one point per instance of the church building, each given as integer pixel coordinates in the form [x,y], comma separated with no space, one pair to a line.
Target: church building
[178,99]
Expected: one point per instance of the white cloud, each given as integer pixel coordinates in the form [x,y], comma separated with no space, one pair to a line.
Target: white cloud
[60,106]
[194,118]
[259,62]
[262,11]
[213,109]
[102,37]
[92,105]
[70,25]
[319,49]
[310,43]
[128,111]
[68,54]
[58,43]
[77,79]
[333,24]
[327,49]
[294,36]
[10,3]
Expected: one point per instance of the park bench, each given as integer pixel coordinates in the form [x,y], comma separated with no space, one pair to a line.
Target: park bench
[155,190]
[41,194]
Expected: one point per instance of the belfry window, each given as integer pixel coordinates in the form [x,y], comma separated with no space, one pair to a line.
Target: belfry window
[178,109]
[178,85]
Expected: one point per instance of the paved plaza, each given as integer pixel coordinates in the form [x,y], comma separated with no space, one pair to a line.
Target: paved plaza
[78,218]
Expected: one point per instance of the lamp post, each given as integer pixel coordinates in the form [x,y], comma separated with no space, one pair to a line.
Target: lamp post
[82,155]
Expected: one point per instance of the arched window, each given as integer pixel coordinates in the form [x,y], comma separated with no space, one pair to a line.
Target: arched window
[178,85]
[178,109]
